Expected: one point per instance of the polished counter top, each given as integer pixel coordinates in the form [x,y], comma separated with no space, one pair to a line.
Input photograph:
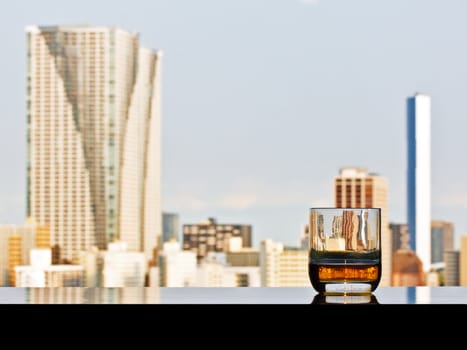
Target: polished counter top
[228,295]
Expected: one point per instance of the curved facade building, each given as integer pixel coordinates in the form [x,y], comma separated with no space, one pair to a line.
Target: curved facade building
[93,172]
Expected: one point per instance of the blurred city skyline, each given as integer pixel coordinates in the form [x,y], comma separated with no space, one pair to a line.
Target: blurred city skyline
[263,102]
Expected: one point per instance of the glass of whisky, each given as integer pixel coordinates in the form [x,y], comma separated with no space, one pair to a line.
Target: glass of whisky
[345,250]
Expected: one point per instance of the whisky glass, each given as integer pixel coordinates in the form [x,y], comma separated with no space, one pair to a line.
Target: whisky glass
[345,250]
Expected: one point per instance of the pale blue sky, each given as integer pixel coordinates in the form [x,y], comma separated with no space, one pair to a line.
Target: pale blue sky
[264,101]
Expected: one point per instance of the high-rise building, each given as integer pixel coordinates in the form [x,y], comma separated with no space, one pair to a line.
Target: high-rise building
[170,227]
[419,176]
[211,236]
[356,188]
[400,237]
[407,269]
[442,239]
[463,261]
[283,266]
[451,269]
[15,244]
[93,111]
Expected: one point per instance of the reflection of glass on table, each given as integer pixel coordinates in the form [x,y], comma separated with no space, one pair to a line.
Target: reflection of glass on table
[322,298]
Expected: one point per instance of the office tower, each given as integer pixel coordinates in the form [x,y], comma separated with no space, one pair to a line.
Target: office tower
[356,188]
[400,236]
[442,239]
[451,269]
[211,236]
[407,269]
[419,176]
[170,225]
[93,111]
[463,262]
[283,266]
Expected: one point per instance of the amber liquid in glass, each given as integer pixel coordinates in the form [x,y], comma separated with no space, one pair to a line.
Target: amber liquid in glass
[322,274]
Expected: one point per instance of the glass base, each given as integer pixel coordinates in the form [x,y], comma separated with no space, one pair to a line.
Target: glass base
[347,288]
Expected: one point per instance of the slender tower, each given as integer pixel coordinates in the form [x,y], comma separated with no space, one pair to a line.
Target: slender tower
[419,176]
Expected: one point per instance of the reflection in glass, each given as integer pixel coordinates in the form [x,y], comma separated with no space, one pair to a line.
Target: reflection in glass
[322,298]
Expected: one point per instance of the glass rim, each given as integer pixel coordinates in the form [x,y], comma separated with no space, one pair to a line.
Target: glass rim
[347,208]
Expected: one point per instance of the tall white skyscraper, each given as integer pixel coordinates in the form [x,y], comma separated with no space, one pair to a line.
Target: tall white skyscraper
[93,105]
[419,176]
